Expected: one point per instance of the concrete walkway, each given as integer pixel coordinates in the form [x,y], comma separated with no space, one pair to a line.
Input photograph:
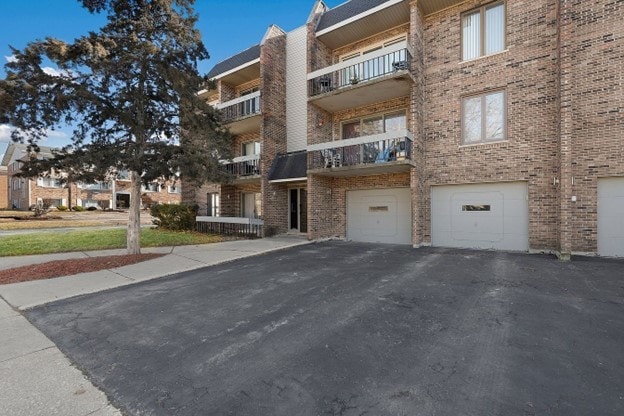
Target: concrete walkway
[35,377]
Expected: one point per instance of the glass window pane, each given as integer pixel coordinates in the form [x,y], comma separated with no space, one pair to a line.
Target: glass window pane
[472,120]
[471,35]
[372,126]
[351,130]
[495,29]
[495,116]
[395,122]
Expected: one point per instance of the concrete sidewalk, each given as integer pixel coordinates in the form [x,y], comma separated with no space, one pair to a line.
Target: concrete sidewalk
[35,377]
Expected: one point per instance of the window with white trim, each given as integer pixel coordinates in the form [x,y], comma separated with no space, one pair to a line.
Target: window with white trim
[377,124]
[151,187]
[49,183]
[250,149]
[173,189]
[484,118]
[483,31]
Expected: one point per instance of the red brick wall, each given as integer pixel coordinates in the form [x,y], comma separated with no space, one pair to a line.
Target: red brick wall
[273,130]
[528,72]
[592,113]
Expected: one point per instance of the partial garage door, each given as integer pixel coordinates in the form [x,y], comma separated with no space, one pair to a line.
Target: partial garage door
[484,216]
[380,216]
[611,217]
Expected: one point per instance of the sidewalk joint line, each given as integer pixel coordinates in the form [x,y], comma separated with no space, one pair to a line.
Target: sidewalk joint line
[32,352]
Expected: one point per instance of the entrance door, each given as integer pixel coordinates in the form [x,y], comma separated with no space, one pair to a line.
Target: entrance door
[123,201]
[248,205]
[298,210]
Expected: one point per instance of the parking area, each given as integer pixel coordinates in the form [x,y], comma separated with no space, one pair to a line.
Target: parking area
[341,328]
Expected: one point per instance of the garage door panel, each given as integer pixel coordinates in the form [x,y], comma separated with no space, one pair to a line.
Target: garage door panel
[379,215]
[480,216]
[611,217]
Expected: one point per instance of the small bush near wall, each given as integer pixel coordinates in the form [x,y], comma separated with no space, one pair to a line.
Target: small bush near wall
[174,216]
[62,208]
[78,208]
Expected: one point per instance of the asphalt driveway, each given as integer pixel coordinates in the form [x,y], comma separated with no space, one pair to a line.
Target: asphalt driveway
[356,329]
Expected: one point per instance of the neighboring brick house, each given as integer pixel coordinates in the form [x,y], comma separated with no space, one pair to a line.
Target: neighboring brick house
[23,193]
[476,124]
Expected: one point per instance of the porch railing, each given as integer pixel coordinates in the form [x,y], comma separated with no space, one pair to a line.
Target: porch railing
[234,226]
[241,107]
[364,68]
[375,149]
[243,166]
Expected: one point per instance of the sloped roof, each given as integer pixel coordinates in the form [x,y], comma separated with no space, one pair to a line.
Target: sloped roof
[16,151]
[235,61]
[289,166]
[346,11]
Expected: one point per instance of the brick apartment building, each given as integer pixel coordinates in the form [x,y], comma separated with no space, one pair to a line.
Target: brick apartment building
[477,124]
[22,193]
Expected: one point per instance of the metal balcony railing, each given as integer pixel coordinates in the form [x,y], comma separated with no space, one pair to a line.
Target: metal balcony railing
[238,226]
[365,68]
[368,150]
[241,107]
[243,166]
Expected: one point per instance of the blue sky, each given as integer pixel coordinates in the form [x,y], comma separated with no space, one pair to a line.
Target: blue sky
[227,26]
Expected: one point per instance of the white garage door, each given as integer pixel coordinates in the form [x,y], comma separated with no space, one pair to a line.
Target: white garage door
[485,216]
[380,216]
[611,217]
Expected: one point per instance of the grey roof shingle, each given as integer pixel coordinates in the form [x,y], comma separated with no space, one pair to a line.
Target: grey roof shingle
[235,61]
[346,11]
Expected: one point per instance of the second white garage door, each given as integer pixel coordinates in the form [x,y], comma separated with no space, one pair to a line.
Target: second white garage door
[611,217]
[380,216]
[483,216]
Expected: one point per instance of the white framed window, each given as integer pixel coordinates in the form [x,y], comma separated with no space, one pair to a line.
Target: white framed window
[151,187]
[49,183]
[484,118]
[483,31]
[173,189]
[250,149]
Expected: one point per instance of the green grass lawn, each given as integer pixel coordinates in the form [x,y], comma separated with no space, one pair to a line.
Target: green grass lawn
[51,242]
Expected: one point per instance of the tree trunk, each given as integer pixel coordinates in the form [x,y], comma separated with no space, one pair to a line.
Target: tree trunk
[133,237]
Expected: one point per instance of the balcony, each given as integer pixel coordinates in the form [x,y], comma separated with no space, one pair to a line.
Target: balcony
[369,155]
[242,115]
[378,76]
[243,168]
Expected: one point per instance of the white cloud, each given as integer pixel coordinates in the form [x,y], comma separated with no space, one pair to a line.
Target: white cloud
[52,71]
[5,133]
[11,58]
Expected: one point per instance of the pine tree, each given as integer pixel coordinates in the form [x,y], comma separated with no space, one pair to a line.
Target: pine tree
[130,92]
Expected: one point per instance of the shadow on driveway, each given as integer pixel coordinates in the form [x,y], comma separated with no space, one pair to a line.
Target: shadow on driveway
[357,329]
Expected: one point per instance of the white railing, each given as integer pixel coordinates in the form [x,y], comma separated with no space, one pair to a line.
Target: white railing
[239,226]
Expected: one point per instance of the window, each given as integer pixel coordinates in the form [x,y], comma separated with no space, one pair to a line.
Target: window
[49,183]
[151,187]
[173,189]
[484,118]
[250,149]
[374,125]
[213,204]
[251,205]
[97,186]
[483,31]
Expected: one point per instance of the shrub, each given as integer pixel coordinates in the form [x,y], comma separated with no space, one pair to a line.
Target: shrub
[92,208]
[174,216]
[62,208]
[78,208]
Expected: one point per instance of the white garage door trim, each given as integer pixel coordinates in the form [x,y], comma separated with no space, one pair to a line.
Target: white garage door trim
[380,215]
[611,217]
[481,216]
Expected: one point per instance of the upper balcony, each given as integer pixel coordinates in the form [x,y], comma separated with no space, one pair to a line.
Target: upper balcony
[242,115]
[244,168]
[377,76]
[367,155]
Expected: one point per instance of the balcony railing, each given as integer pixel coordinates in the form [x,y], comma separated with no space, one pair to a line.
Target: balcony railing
[367,67]
[243,166]
[241,107]
[249,227]
[367,150]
